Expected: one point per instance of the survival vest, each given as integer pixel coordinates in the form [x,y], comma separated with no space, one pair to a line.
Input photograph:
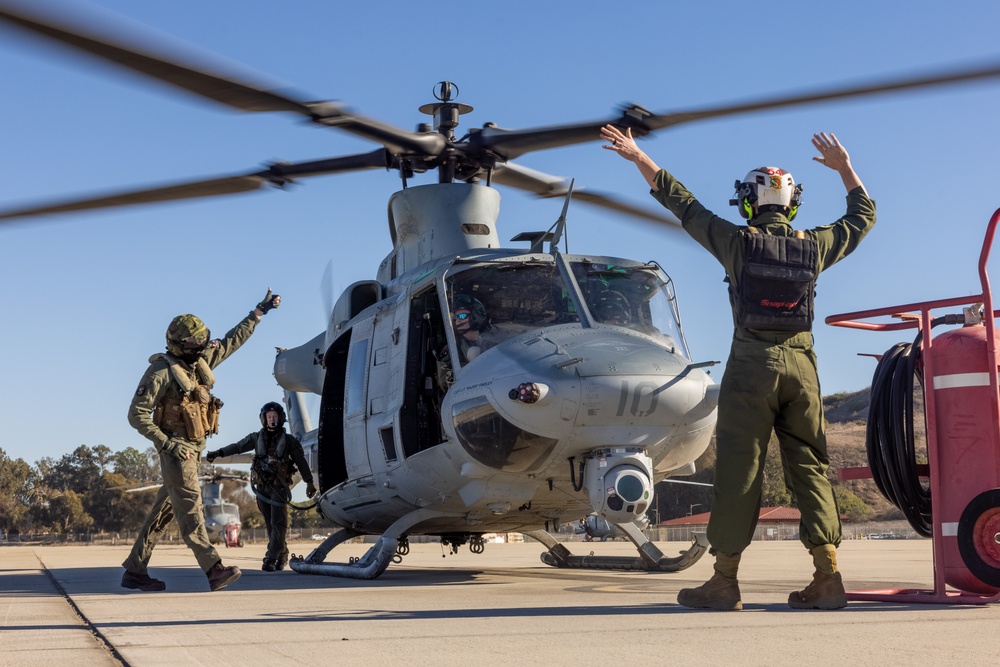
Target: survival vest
[193,412]
[273,467]
[778,283]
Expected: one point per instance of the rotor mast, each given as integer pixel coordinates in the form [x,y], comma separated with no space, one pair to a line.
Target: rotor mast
[445,113]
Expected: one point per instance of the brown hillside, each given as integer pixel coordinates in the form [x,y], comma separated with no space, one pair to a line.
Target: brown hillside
[847,418]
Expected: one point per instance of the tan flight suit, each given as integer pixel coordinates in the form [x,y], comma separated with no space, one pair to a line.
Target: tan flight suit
[770,382]
[180,494]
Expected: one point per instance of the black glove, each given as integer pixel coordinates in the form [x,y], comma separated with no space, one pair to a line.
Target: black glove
[212,455]
[310,490]
[269,302]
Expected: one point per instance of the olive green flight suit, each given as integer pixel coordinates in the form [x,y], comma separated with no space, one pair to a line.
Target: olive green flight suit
[770,382]
[180,495]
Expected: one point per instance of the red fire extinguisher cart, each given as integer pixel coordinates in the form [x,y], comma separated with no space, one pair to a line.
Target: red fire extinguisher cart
[962,411]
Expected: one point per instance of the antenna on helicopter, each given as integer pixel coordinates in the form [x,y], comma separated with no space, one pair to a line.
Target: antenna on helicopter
[560,226]
[554,233]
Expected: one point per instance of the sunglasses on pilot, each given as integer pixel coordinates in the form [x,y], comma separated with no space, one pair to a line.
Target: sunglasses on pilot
[461,316]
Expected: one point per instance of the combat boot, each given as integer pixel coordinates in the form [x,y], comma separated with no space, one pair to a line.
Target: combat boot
[142,582]
[721,592]
[269,565]
[826,591]
[219,577]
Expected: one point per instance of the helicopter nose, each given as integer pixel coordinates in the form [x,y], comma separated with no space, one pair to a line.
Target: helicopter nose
[585,389]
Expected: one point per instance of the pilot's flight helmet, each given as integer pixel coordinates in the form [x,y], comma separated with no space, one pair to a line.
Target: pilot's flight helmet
[771,189]
[473,305]
[186,335]
[272,407]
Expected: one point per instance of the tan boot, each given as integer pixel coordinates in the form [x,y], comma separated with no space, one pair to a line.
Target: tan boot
[827,588]
[721,592]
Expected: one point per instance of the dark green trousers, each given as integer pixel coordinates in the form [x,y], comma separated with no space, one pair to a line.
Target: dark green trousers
[180,497]
[767,387]
[275,520]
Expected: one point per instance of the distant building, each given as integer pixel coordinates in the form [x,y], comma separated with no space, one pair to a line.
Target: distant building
[773,523]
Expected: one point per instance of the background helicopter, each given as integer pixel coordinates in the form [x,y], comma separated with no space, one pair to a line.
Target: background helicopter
[222,517]
[507,137]
[598,528]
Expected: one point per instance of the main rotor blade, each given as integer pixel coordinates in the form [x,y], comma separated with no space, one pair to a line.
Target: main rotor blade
[225,89]
[548,187]
[513,143]
[208,82]
[977,73]
[278,174]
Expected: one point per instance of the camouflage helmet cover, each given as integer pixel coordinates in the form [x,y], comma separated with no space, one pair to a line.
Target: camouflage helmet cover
[187,334]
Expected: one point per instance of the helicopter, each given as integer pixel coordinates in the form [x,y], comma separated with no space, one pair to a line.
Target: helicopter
[222,518]
[578,393]
[596,527]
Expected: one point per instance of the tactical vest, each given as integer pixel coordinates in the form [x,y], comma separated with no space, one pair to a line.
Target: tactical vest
[778,284]
[194,412]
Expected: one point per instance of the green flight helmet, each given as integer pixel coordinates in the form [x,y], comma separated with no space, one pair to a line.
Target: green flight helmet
[187,335]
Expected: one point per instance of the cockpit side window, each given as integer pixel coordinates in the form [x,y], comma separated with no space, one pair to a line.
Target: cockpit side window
[636,297]
[493,302]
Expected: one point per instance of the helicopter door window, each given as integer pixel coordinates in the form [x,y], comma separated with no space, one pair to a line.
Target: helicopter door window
[356,377]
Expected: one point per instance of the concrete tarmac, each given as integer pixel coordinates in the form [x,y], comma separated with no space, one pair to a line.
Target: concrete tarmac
[64,605]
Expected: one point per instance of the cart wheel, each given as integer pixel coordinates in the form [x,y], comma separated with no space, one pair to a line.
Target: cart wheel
[979,537]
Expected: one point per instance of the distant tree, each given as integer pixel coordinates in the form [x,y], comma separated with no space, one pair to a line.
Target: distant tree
[77,472]
[16,481]
[110,504]
[851,507]
[310,518]
[135,466]
[67,515]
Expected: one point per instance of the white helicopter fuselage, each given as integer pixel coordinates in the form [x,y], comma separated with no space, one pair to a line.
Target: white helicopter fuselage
[580,370]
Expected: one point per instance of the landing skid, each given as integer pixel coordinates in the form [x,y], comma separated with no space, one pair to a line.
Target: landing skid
[376,559]
[650,558]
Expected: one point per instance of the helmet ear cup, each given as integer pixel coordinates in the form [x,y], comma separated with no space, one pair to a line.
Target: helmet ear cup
[746,195]
[793,207]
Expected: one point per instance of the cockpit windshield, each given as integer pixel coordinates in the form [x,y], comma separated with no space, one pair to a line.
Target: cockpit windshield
[636,297]
[493,302]
[490,303]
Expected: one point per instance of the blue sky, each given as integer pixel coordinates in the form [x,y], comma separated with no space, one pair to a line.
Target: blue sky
[87,298]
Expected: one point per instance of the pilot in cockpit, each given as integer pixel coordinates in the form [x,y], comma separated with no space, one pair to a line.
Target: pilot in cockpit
[469,320]
[611,307]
